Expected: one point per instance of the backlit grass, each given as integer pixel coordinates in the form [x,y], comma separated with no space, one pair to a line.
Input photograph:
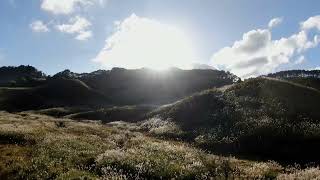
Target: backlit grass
[39,147]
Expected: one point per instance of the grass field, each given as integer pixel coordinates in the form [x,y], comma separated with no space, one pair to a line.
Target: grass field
[41,147]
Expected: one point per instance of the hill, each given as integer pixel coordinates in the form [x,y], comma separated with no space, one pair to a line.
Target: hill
[55,93]
[260,118]
[295,73]
[21,76]
[146,86]
[118,87]
[211,115]
[307,78]
[307,81]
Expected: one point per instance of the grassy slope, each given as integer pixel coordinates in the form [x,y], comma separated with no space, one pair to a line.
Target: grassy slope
[310,82]
[260,117]
[41,147]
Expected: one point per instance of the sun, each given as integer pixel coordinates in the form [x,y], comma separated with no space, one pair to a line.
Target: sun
[142,42]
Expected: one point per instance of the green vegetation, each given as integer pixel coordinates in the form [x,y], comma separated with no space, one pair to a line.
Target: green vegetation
[21,76]
[307,78]
[259,118]
[309,82]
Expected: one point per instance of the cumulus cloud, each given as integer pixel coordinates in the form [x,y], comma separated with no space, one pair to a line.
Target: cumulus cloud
[275,22]
[142,42]
[39,26]
[78,26]
[312,22]
[256,53]
[253,41]
[67,6]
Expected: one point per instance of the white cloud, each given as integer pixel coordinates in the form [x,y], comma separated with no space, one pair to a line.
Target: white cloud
[78,26]
[317,68]
[65,6]
[275,22]
[39,26]
[300,60]
[142,42]
[312,22]
[84,35]
[253,41]
[75,25]
[258,54]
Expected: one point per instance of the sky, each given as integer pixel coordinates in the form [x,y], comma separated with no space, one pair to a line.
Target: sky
[246,37]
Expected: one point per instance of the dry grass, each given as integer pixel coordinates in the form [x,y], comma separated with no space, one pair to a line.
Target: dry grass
[41,147]
[298,174]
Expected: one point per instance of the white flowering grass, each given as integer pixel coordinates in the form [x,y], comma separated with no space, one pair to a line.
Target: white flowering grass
[160,127]
[306,174]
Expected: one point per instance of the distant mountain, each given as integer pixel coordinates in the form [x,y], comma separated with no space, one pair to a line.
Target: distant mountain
[20,76]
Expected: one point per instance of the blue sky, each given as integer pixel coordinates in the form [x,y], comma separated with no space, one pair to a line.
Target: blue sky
[86,35]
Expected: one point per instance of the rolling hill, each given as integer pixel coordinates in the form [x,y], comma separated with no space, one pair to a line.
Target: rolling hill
[118,87]
[146,86]
[224,114]
[261,118]
[108,123]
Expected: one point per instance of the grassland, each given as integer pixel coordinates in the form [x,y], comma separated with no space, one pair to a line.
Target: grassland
[34,146]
